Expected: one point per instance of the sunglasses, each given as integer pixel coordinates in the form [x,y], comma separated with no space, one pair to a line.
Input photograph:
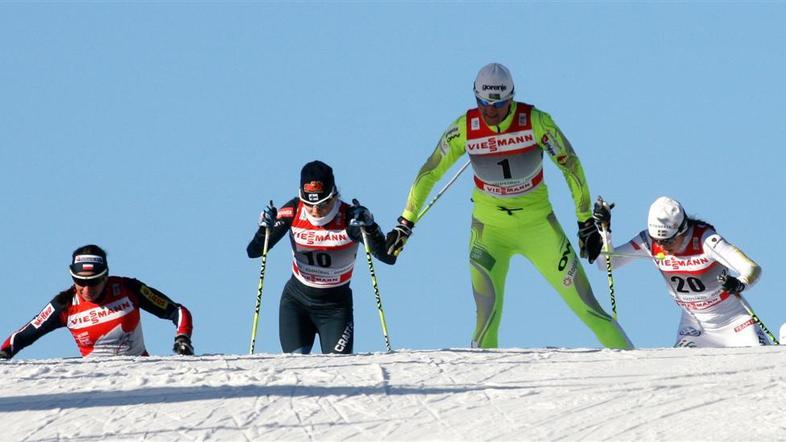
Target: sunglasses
[320,204]
[88,282]
[494,104]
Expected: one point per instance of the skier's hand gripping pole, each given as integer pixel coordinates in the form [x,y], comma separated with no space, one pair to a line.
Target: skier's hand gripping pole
[374,284]
[259,288]
[735,287]
[602,215]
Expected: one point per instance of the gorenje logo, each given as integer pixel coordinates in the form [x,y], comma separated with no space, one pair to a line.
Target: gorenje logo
[494,87]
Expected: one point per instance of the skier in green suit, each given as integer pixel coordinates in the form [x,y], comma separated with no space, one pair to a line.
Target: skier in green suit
[505,141]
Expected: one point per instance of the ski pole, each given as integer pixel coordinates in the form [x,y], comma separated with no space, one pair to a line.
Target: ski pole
[659,256]
[375,285]
[747,306]
[756,319]
[604,232]
[259,290]
[439,194]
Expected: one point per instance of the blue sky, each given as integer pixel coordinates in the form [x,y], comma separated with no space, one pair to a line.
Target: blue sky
[159,130]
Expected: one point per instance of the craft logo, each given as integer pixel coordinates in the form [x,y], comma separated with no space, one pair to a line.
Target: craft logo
[744,325]
[345,339]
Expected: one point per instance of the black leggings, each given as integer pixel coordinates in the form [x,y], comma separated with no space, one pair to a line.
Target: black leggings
[305,312]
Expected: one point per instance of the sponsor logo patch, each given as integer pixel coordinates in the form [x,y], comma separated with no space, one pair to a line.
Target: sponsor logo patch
[689,331]
[495,87]
[571,276]
[322,238]
[313,186]
[88,258]
[346,336]
[39,320]
[286,212]
[482,257]
[453,133]
[475,123]
[502,143]
[99,315]
[152,297]
[744,325]
[546,142]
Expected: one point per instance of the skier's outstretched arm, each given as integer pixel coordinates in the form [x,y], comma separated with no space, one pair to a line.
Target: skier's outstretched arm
[50,318]
[160,305]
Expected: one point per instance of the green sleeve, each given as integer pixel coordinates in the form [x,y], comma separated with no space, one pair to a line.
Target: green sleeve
[558,148]
[449,149]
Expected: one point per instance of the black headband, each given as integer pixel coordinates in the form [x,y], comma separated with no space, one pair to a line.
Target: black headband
[88,267]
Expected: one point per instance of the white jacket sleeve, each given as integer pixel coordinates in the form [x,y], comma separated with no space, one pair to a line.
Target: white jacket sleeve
[733,259]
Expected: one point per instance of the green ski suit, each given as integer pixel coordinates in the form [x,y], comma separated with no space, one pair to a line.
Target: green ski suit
[512,213]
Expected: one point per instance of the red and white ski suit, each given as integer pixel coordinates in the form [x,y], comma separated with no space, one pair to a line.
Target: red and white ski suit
[108,327]
[711,316]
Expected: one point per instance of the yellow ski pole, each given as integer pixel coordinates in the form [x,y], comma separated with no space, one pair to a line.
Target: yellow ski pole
[375,285]
[604,232]
[259,290]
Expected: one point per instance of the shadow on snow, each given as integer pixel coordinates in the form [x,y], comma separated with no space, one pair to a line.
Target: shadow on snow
[164,395]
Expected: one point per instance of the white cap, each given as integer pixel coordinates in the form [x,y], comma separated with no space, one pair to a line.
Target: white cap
[494,83]
[665,218]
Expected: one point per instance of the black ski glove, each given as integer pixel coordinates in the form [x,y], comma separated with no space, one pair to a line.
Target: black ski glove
[396,238]
[267,219]
[601,213]
[183,345]
[4,355]
[359,215]
[590,242]
[731,284]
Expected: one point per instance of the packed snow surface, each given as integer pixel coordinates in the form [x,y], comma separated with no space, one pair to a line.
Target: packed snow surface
[453,394]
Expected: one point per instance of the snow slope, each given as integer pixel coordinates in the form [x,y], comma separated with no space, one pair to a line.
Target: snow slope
[456,394]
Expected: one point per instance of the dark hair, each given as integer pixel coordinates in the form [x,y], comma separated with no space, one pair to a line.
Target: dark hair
[692,221]
[90,249]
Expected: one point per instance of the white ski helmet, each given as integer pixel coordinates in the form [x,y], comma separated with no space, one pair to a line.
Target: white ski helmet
[494,83]
[666,218]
